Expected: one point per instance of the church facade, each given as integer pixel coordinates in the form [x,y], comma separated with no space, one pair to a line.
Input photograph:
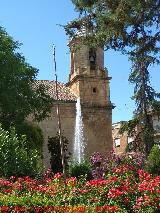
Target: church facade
[88,81]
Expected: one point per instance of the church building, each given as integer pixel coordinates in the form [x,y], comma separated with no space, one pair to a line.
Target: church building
[88,81]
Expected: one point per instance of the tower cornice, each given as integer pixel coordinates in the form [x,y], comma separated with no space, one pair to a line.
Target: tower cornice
[82,77]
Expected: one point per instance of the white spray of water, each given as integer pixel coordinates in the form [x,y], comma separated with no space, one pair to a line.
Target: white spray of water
[79,145]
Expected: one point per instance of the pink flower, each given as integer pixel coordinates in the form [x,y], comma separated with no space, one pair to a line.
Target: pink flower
[58,175]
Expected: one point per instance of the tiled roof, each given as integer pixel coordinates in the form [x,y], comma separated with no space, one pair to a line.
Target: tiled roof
[64,93]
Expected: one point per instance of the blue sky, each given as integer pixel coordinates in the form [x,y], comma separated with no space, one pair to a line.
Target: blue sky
[35,23]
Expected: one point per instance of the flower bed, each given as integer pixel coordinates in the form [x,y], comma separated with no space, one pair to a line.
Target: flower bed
[123,190]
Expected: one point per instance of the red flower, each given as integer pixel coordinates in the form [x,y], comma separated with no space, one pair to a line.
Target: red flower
[98,208]
[80,209]
[38,209]
[114,193]
[57,208]
[144,175]
[51,208]
[58,175]
[71,181]
[126,200]
[5,208]
[111,208]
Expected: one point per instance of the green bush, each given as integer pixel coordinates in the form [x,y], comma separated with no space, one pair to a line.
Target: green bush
[79,169]
[153,164]
[16,159]
[55,150]
[33,134]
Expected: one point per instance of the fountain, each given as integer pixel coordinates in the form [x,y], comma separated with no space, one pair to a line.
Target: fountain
[79,145]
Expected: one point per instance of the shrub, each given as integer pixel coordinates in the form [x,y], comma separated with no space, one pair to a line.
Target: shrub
[15,158]
[102,165]
[33,134]
[55,150]
[123,191]
[153,164]
[81,169]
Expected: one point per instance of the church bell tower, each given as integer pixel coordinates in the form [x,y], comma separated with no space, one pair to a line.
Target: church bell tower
[89,80]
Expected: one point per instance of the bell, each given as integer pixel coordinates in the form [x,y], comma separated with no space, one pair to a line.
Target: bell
[91,59]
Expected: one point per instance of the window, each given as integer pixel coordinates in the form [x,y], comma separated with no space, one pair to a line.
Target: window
[130,140]
[94,90]
[117,142]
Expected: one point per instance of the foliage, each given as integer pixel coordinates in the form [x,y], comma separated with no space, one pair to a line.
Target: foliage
[103,165]
[124,190]
[128,126]
[81,169]
[116,24]
[144,94]
[133,28]
[20,95]
[55,150]
[134,130]
[15,157]
[33,134]
[153,164]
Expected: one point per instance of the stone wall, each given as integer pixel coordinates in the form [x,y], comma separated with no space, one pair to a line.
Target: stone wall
[49,127]
[98,133]
[97,128]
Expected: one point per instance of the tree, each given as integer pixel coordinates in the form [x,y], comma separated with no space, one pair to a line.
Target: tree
[132,27]
[20,95]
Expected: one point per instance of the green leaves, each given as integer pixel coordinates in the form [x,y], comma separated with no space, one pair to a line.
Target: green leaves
[18,95]
[16,159]
[55,151]
[121,17]
[153,164]
[129,126]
